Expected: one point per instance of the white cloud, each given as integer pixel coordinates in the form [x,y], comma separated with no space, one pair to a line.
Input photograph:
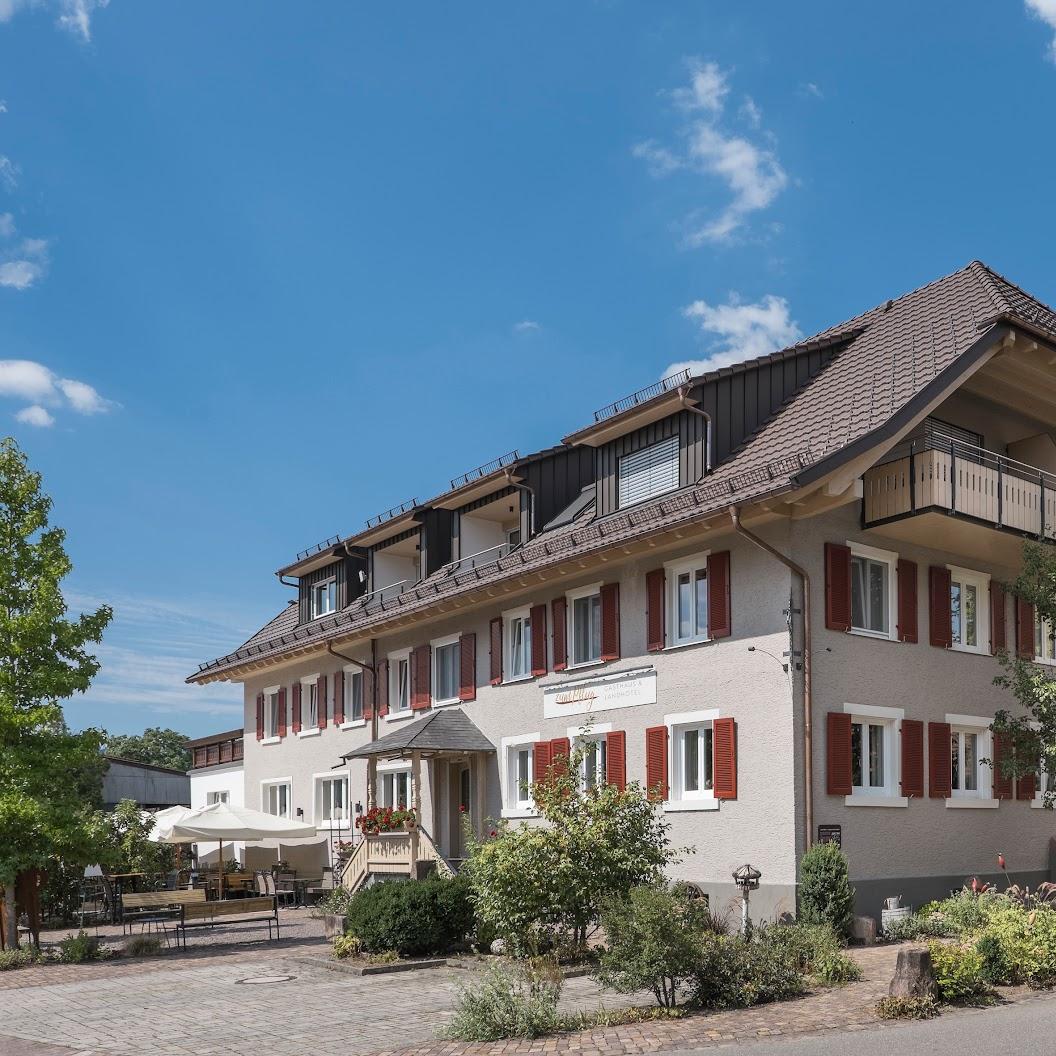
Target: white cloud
[82,397]
[7,226]
[75,16]
[1046,11]
[740,331]
[26,379]
[23,264]
[749,169]
[8,170]
[35,415]
[809,88]
[20,274]
[525,326]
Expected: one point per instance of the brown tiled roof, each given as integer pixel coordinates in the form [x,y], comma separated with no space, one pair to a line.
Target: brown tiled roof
[889,356]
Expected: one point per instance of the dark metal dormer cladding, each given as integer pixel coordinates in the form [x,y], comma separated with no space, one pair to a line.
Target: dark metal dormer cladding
[554,479]
[434,540]
[348,576]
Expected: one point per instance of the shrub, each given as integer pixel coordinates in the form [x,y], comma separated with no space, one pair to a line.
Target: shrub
[995,968]
[654,942]
[413,917]
[836,969]
[143,946]
[806,943]
[333,902]
[736,973]
[825,892]
[1017,946]
[959,973]
[506,1003]
[347,946]
[20,958]
[906,1007]
[932,925]
[75,949]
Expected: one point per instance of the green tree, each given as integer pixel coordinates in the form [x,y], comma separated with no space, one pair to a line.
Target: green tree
[50,778]
[539,883]
[825,892]
[156,746]
[127,846]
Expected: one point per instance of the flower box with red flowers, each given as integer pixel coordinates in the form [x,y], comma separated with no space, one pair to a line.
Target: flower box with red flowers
[386,819]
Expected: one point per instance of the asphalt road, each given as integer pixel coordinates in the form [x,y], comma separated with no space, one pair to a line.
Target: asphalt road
[1027,1028]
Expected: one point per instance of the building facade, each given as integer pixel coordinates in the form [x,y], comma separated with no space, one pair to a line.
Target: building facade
[216,776]
[772,594]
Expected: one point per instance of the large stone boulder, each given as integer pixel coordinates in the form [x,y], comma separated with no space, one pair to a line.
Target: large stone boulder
[914,975]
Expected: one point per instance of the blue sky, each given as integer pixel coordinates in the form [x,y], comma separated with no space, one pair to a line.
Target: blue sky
[267,270]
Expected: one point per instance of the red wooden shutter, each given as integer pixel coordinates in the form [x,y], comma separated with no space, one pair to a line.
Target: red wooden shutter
[282,711]
[720,619]
[496,650]
[907,600]
[997,618]
[339,697]
[467,667]
[1024,629]
[421,670]
[940,622]
[837,587]
[560,749]
[656,762]
[368,694]
[260,716]
[537,625]
[838,754]
[724,762]
[542,757]
[557,611]
[912,758]
[655,635]
[383,689]
[940,767]
[616,759]
[1002,783]
[610,621]
[296,707]
[320,694]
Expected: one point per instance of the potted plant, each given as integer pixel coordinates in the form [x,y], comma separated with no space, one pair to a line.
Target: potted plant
[331,909]
[386,819]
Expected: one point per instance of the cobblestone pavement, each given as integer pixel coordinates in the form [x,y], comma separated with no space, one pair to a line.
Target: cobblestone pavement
[270,1002]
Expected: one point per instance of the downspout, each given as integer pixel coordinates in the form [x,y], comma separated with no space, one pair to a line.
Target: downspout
[683,399]
[511,483]
[372,667]
[808,736]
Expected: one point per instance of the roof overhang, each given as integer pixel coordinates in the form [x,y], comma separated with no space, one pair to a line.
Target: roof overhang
[476,489]
[646,413]
[310,564]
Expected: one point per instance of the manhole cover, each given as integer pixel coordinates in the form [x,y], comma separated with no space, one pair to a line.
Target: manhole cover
[264,980]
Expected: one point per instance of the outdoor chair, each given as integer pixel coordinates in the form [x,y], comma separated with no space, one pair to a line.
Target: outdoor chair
[282,895]
[262,884]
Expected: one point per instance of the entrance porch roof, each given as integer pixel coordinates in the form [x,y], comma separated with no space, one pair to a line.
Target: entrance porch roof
[437,733]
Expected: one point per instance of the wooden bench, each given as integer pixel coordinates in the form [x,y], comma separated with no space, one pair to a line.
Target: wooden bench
[262,909]
[144,907]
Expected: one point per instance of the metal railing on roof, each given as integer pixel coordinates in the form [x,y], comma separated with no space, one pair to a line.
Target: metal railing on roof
[391,512]
[489,467]
[672,381]
[333,540]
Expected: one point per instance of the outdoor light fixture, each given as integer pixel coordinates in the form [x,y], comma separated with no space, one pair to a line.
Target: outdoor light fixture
[359,808]
[300,812]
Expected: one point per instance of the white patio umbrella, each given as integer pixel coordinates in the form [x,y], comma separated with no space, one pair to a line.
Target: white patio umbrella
[223,821]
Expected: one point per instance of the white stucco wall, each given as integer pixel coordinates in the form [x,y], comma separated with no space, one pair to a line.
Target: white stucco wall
[230,779]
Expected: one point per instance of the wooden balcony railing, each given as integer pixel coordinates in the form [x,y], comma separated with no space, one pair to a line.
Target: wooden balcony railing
[941,473]
[390,854]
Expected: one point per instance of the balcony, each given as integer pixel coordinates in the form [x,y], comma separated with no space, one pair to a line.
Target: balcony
[931,478]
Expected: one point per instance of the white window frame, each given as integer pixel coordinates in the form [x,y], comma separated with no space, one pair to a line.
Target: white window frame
[390,770]
[353,675]
[330,586]
[890,794]
[517,802]
[981,581]
[318,780]
[677,798]
[269,782]
[508,619]
[1046,638]
[434,646]
[309,724]
[271,717]
[571,597]
[981,797]
[213,796]
[890,559]
[672,570]
[509,534]
[394,682]
[595,733]
[655,490]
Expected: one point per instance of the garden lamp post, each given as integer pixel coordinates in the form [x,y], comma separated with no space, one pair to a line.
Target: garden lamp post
[747,879]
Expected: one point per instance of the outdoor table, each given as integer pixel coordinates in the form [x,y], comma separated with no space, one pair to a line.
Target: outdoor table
[119,881]
[300,888]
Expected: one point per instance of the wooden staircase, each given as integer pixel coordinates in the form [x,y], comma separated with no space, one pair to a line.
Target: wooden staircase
[393,854]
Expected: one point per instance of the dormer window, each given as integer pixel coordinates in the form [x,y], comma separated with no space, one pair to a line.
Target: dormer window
[651,471]
[324,598]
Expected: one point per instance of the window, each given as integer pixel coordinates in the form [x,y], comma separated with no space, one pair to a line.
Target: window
[592,768]
[876,764]
[1044,642]
[446,656]
[651,471]
[324,598]
[585,618]
[694,759]
[310,703]
[687,600]
[394,788]
[353,695]
[331,801]
[519,775]
[868,758]
[217,797]
[969,610]
[400,681]
[517,641]
[513,537]
[276,797]
[872,588]
[967,778]
[271,712]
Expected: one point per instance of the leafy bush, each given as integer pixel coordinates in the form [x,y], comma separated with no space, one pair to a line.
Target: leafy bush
[910,929]
[1017,946]
[996,968]
[654,942]
[20,958]
[906,1007]
[806,943]
[143,946]
[836,969]
[413,917]
[75,949]
[333,902]
[506,1003]
[347,946]
[959,973]
[825,892]
[736,973]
